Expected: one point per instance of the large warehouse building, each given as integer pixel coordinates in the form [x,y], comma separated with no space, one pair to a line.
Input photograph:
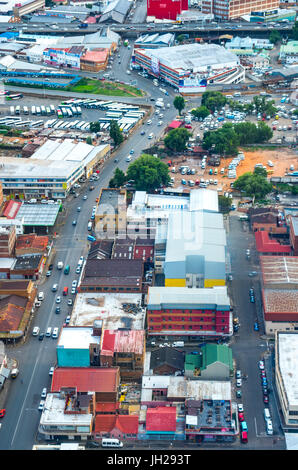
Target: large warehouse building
[191,67]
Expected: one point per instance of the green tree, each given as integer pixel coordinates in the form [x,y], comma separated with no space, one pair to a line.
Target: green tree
[254,185]
[115,133]
[118,179]
[179,103]
[89,140]
[250,133]
[200,112]
[213,100]
[224,204]
[264,106]
[180,38]
[149,173]
[294,32]
[274,36]
[94,126]
[224,141]
[177,139]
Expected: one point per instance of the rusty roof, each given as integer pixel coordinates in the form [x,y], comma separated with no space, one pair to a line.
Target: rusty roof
[86,379]
[280,300]
[128,341]
[12,309]
[279,270]
[32,241]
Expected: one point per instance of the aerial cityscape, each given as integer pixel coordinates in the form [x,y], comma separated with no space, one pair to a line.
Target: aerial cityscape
[149,226]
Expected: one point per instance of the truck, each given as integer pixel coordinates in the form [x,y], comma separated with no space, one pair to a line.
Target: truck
[159,104]
[178,344]
[60,265]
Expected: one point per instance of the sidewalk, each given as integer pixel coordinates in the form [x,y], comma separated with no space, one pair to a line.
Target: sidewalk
[12,363]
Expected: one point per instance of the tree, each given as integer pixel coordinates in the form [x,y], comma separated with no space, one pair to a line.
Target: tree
[177,139]
[149,173]
[179,103]
[115,133]
[250,133]
[254,184]
[213,100]
[200,112]
[89,140]
[264,106]
[224,141]
[94,126]
[224,204]
[118,179]
[294,33]
[180,38]
[274,36]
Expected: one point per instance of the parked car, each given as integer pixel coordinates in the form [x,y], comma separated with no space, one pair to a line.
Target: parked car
[265,399]
[238,382]
[240,407]
[2,412]
[44,393]
[256,326]
[241,417]
[261,365]
[51,371]
[58,310]
[41,405]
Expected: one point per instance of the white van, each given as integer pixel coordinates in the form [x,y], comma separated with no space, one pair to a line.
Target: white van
[89,226]
[267,414]
[48,332]
[111,443]
[55,333]
[269,427]
[150,136]
[35,331]
[40,296]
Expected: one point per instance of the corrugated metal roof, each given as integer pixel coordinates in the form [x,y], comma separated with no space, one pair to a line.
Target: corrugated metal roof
[85,379]
[171,297]
[161,419]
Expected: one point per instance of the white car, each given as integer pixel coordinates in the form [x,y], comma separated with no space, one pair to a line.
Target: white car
[238,374]
[73,290]
[51,371]
[44,393]
[240,408]
[41,405]
[74,283]
[58,299]
[261,365]
[55,287]
[35,331]
[238,383]
[67,319]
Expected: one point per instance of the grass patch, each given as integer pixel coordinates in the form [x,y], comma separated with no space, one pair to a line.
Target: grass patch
[103,87]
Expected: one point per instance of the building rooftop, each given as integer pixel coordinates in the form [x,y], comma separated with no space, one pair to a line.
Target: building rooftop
[96,56]
[54,413]
[280,301]
[279,271]
[85,379]
[113,272]
[27,262]
[77,337]
[116,341]
[172,297]
[115,310]
[287,346]
[267,245]
[38,214]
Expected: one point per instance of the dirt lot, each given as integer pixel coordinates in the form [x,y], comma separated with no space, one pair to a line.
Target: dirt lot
[281,158]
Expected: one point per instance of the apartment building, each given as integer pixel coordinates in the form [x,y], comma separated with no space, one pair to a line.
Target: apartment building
[229,9]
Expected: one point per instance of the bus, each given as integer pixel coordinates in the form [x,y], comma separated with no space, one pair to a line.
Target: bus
[52,108]
[79,110]
[25,110]
[43,110]
[18,110]
[12,110]
[48,110]
[69,112]
[33,110]
[38,110]
[15,96]
[59,114]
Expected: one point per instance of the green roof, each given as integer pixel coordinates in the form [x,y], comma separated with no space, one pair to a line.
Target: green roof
[217,353]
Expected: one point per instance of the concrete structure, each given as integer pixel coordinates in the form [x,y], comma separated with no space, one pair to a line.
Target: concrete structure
[289,53]
[237,8]
[110,215]
[78,347]
[155,41]
[28,6]
[95,60]
[63,57]
[195,253]
[189,68]
[286,376]
[115,12]
[61,164]
[189,312]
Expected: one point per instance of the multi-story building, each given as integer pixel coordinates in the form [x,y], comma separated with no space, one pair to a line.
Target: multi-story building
[294,234]
[110,215]
[191,67]
[28,6]
[95,60]
[286,376]
[63,57]
[229,9]
[189,312]
[7,241]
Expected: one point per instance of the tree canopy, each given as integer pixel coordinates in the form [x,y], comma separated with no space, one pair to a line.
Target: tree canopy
[94,126]
[179,103]
[213,100]
[274,36]
[200,112]
[148,172]
[224,204]
[177,139]
[254,184]
[115,133]
[118,179]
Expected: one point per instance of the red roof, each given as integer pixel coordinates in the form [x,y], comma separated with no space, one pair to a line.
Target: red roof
[162,418]
[127,424]
[175,124]
[11,209]
[106,407]
[267,245]
[119,341]
[99,55]
[85,379]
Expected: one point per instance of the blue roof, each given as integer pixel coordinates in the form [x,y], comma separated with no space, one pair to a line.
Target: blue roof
[9,34]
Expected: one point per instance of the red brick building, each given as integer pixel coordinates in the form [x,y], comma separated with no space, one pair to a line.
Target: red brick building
[294,234]
[236,8]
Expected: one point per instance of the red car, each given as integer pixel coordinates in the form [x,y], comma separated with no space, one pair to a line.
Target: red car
[241,416]
[263,373]
[244,439]
[188,126]
[2,413]
[265,399]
